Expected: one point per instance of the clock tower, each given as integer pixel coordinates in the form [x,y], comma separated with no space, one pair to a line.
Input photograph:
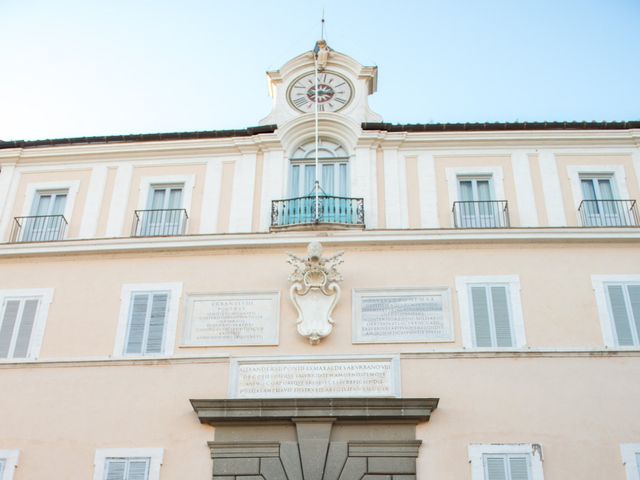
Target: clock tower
[342,88]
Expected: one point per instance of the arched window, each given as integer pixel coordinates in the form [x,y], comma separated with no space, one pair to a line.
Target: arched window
[332,173]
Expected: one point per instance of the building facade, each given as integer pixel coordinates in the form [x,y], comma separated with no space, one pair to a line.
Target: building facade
[482,322]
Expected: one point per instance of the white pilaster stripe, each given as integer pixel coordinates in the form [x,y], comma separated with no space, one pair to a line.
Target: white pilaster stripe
[393,203]
[636,165]
[6,175]
[524,190]
[275,172]
[119,201]
[7,207]
[428,191]
[360,171]
[551,188]
[211,197]
[93,203]
[242,194]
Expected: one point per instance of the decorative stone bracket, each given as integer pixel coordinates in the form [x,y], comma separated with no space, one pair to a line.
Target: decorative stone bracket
[315,439]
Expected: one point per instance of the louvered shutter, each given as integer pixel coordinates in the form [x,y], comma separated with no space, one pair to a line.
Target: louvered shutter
[634,301]
[115,469]
[25,329]
[638,463]
[481,319]
[157,322]
[138,469]
[501,319]
[1,468]
[495,468]
[9,317]
[137,323]
[620,315]
[519,468]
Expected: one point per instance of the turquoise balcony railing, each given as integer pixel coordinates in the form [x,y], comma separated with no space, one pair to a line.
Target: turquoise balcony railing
[331,210]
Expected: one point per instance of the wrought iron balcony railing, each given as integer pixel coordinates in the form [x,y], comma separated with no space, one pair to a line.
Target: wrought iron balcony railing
[331,210]
[609,213]
[38,228]
[160,223]
[481,214]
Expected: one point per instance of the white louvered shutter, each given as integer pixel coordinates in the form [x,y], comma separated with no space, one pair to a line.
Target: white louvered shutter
[620,315]
[481,320]
[634,301]
[138,469]
[115,469]
[157,321]
[495,468]
[137,323]
[501,318]
[25,329]
[9,320]
[518,468]
[1,468]
[638,463]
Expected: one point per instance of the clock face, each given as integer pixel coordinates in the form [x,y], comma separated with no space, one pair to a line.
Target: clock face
[334,92]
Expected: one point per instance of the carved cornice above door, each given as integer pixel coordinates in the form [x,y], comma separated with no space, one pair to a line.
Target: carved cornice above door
[315,439]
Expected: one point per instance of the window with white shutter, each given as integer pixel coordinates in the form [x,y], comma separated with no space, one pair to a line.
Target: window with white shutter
[148,318]
[22,317]
[520,461]
[127,468]
[8,463]
[490,311]
[618,301]
[128,463]
[631,459]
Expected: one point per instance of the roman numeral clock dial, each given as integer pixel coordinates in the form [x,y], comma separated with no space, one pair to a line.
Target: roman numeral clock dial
[334,92]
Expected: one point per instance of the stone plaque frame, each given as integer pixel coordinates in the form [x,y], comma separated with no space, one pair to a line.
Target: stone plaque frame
[274,339]
[394,386]
[360,293]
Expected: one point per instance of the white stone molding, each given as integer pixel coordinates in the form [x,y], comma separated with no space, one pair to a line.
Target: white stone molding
[551,188]
[147,183]
[95,194]
[315,291]
[209,210]
[275,174]
[244,177]
[119,200]
[524,189]
[630,453]
[9,181]
[45,297]
[10,458]
[175,292]
[428,191]
[635,156]
[478,451]
[155,456]
[395,189]
[515,307]
[607,326]
[360,166]
[33,189]
[495,174]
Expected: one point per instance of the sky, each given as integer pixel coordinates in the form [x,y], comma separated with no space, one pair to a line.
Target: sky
[72,68]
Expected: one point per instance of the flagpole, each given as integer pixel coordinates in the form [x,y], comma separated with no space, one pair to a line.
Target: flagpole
[317,183]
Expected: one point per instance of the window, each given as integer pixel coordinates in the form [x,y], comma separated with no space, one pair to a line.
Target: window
[46,219]
[165,214]
[128,463]
[8,463]
[23,315]
[631,460]
[600,205]
[490,311]
[332,173]
[618,299]
[506,462]
[148,320]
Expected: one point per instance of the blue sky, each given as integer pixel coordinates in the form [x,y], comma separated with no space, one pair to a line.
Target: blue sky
[89,67]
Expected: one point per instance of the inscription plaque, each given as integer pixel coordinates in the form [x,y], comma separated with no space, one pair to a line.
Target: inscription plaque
[232,319]
[402,316]
[377,376]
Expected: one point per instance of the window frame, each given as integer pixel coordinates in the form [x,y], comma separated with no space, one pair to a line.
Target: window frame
[615,173]
[148,183]
[629,453]
[335,161]
[34,189]
[512,282]
[168,344]
[45,297]
[155,456]
[477,452]
[607,324]
[10,458]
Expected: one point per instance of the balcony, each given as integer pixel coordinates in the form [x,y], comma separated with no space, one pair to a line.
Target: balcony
[608,213]
[40,228]
[159,223]
[339,211]
[481,214]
